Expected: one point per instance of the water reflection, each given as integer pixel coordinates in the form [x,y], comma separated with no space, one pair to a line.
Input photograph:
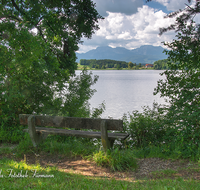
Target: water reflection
[125,90]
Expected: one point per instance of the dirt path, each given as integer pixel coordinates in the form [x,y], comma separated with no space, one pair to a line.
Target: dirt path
[148,168]
[151,168]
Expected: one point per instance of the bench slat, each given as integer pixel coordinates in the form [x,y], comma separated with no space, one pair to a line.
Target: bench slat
[72,122]
[87,134]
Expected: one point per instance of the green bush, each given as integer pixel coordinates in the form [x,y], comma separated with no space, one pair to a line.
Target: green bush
[147,128]
[10,134]
[155,133]
[181,86]
[72,100]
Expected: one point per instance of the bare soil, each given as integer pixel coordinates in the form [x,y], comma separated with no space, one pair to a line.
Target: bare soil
[148,168]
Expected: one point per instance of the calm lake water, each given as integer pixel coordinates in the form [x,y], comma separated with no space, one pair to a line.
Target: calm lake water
[125,91]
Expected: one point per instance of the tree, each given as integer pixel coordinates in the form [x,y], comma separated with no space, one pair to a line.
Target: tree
[76,96]
[160,64]
[182,17]
[103,67]
[130,65]
[182,83]
[119,67]
[38,40]
[60,24]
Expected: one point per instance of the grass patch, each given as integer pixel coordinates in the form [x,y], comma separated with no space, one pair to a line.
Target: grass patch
[19,175]
[169,173]
[7,149]
[81,67]
[69,146]
[116,160]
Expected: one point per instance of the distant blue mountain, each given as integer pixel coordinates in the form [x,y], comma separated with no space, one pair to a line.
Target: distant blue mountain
[144,54]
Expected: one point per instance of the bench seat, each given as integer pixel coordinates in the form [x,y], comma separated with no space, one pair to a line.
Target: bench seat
[38,134]
[87,134]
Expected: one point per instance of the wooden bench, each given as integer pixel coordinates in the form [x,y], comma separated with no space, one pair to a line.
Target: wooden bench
[38,134]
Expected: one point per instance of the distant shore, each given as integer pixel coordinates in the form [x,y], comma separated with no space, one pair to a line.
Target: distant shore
[81,67]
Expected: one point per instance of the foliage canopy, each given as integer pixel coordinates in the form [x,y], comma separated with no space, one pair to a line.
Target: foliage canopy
[182,83]
[38,40]
[60,24]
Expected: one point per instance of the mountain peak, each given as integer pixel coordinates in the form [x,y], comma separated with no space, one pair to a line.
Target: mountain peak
[143,54]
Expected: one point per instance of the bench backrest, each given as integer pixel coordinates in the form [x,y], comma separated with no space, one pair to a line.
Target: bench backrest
[72,122]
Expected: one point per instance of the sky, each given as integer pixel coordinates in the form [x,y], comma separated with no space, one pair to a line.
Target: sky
[132,23]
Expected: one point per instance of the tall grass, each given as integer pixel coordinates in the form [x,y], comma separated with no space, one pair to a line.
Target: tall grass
[116,160]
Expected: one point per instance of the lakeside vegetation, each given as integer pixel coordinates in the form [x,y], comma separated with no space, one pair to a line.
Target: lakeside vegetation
[37,77]
[108,64]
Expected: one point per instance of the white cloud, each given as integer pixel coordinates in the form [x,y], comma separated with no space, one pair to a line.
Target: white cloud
[163,2]
[130,31]
[127,7]
[197,19]
[173,5]
[125,35]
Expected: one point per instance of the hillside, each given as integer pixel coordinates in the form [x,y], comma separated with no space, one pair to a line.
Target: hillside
[144,54]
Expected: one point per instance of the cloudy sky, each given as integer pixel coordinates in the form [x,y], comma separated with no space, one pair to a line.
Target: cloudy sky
[132,23]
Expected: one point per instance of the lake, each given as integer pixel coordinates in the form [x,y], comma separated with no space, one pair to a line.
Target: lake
[125,91]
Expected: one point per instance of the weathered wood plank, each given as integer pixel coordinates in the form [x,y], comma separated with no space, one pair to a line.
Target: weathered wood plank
[87,134]
[104,135]
[32,131]
[36,138]
[72,122]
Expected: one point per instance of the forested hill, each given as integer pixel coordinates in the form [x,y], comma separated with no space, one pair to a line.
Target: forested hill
[144,54]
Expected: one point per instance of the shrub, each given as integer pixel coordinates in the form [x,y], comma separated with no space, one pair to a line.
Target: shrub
[147,128]
[72,100]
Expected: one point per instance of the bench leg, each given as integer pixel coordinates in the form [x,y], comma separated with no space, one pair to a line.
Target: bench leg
[104,136]
[111,142]
[36,138]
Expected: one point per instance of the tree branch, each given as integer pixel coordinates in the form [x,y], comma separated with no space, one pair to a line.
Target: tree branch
[10,17]
[16,7]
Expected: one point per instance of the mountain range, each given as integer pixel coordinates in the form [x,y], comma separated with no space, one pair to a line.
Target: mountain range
[143,54]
